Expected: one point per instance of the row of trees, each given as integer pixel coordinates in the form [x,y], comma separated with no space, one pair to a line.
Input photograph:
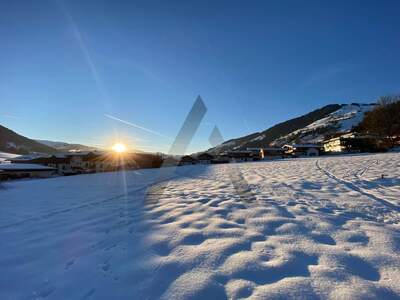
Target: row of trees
[384,119]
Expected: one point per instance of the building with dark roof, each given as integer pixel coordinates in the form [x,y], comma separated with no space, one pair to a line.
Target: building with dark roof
[205,158]
[187,160]
[299,150]
[16,171]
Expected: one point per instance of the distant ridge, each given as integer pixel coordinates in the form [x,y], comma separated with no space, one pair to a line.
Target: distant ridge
[66,147]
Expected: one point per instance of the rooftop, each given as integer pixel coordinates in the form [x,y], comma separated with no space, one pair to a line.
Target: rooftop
[32,167]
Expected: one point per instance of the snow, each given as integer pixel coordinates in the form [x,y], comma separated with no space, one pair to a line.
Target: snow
[303,146]
[4,156]
[30,156]
[17,166]
[258,138]
[348,116]
[342,120]
[311,228]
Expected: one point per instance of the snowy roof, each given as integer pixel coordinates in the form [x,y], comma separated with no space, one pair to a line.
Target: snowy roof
[12,166]
[29,156]
[4,156]
[272,149]
[303,146]
[8,155]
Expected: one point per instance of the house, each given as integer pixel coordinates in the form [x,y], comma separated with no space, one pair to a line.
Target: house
[354,142]
[16,171]
[242,156]
[169,161]
[267,153]
[255,153]
[299,150]
[187,160]
[65,164]
[205,158]
[78,162]
[60,163]
[221,159]
[84,162]
[272,153]
[93,162]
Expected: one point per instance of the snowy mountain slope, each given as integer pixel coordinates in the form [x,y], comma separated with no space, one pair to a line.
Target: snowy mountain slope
[311,127]
[342,120]
[65,147]
[316,228]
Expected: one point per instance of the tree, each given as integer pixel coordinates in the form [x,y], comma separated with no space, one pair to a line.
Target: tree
[384,119]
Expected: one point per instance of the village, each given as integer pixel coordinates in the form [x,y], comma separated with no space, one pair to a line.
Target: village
[87,162]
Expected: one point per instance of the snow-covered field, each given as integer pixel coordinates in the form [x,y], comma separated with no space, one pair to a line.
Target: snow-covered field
[294,229]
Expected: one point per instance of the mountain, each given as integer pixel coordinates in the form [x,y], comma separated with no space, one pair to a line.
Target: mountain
[309,128]
[13,142]
[66,147]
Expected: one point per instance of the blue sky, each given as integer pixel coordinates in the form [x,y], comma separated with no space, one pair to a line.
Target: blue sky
[65,65]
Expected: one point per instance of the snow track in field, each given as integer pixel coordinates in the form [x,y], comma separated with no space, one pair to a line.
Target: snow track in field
[356,188]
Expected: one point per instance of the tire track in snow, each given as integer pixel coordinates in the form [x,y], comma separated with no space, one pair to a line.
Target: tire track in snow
[360,172]
[356,188]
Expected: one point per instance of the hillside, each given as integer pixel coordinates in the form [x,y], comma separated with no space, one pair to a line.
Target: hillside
[311,127]
[341,120]
[13,142]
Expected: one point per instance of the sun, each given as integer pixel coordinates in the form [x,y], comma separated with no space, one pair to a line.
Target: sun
[119,148]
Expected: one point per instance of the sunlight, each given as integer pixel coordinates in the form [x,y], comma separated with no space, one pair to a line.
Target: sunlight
[119,147]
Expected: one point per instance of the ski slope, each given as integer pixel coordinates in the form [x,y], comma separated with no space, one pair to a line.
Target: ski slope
[315,228]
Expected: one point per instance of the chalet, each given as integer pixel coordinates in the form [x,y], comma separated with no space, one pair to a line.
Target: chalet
[92,162]
[300,150]
[265,153]
[272,153]
[354,142]
[242,156]
[187,160]
[95,163]
[255,153]
[221,159]
[170,162]
[80,162]
[60,163]
[15,171]
[205,158]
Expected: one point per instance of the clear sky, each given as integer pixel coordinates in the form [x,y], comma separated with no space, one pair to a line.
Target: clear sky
[65,65]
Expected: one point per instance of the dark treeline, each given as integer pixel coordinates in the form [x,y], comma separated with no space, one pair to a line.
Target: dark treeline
[384,119]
